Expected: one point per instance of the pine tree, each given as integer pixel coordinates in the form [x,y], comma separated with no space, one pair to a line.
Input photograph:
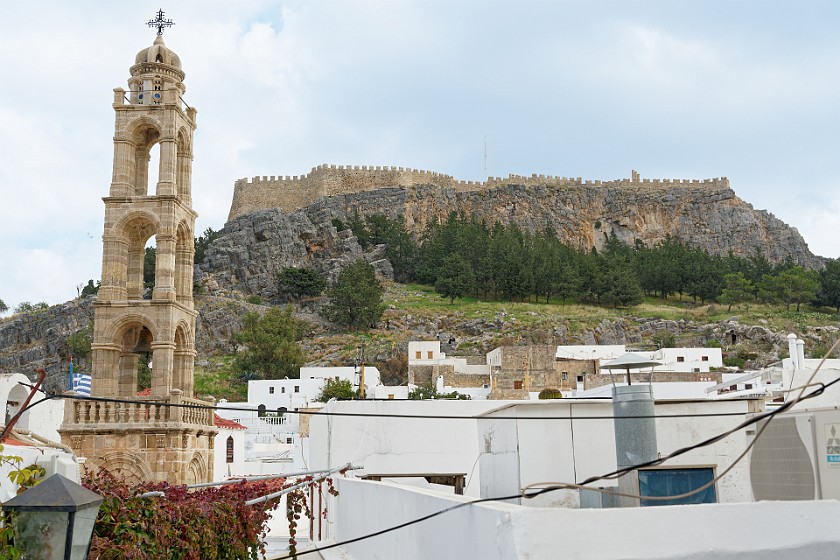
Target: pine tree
[355,297]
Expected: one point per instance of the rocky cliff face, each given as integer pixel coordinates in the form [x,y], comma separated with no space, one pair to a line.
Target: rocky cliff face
[714,219]
[251,249]
[39,340]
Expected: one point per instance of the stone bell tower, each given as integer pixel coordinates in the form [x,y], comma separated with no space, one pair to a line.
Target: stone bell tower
[145,438]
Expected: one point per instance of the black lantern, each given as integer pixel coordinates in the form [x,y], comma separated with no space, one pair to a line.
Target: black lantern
[54,519]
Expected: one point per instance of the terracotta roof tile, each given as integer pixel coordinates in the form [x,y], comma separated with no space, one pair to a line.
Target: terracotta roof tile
[227,424]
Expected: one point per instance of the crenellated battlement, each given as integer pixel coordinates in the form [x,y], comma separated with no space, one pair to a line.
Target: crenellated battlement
[292,192]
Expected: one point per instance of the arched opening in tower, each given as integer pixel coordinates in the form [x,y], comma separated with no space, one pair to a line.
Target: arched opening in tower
[135,370]
[147,158]
[149,264]
[154,168]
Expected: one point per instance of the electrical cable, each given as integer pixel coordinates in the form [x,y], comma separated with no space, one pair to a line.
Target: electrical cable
[620,472]
[524,494]
[379,415]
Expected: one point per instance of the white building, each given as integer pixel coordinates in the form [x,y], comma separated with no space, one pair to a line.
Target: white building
[687,360]
[34,437]
[427,353]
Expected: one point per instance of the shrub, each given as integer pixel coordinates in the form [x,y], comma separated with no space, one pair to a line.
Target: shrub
[550,393]
[298,283]
[212,523]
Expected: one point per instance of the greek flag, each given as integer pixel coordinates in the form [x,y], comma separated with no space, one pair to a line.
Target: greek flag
[81,384]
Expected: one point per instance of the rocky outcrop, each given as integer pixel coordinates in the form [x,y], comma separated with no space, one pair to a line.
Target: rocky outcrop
[252,249]
[714,219]
[39,340]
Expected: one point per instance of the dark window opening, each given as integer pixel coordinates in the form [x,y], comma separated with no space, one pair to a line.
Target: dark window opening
[229,450]
[673,482]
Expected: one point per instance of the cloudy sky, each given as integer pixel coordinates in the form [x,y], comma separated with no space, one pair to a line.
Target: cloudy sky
[749,90]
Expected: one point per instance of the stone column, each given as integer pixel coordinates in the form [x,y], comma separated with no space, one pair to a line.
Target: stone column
[184,274]
[136,263]
[113,286]
[122,179]
[168,164]
[128,374]
[163,355]
[141,171]
[165,269]
[105,358]
[185,161]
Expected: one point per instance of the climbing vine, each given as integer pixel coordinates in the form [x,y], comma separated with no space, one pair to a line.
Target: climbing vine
[297,505]
[211,523]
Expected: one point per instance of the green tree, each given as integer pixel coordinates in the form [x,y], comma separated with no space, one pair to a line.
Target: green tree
[794,285]
[79,343]
[90,289]
[424,392]
[149,262]
[736,289]
[271,344]
[829,292]
[619,287]
[301,282]
[202,242]
[26,307]
[3,306]
[455,278]
[800,285]
[357,225]
[355,299]
[336,389]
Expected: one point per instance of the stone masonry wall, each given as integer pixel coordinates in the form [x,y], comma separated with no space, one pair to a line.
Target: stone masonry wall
[291,193]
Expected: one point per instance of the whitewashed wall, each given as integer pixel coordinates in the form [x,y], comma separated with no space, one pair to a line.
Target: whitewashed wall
[499,531]
[43,419]
[396,445]
[519,452]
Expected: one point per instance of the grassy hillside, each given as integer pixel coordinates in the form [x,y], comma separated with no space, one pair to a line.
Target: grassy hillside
[416,312]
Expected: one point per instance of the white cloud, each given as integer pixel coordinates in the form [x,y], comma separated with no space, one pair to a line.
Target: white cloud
[568,88]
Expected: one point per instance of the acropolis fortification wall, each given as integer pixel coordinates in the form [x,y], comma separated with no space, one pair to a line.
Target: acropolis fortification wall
[290,193]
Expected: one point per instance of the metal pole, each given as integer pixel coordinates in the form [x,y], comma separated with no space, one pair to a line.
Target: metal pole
[635,434]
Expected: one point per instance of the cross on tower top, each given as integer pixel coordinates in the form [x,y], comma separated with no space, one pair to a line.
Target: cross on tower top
[160,22]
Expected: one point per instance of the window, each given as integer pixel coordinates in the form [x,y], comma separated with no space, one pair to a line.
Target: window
[748,386]
[580,379]
[517,384]
[704,358]
[680,358]
[564,376]
[261,411]
[417,354]
[282,389]
[696,370]
[229,449]
[271,390]
[390,396]
[288,440]
[429,354]
[297,388]
[672,482]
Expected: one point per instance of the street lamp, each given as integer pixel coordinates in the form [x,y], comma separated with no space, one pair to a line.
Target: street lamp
[54,519]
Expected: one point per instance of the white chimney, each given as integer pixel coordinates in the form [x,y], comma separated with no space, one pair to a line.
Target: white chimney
[800,353]
[792,350]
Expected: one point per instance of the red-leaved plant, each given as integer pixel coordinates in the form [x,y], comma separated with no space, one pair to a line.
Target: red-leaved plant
[206,524]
